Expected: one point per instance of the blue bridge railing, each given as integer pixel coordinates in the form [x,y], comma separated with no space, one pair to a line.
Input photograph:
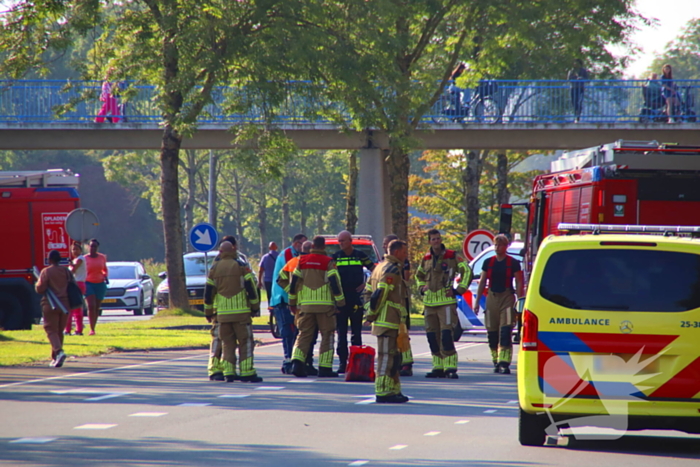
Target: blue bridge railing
[494,101]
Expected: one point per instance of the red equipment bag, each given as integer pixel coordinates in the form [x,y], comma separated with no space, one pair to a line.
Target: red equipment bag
[360,364]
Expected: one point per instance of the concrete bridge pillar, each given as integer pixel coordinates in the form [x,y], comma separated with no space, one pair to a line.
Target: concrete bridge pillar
[374,205]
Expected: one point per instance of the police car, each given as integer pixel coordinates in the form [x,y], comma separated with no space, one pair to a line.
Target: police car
[611,332]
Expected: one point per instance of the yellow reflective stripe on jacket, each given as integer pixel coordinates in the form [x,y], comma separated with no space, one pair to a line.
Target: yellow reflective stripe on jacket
[320,296]
[340,296]
[420,276]
[250,277]
[382,319]
[437,298]
[236,304]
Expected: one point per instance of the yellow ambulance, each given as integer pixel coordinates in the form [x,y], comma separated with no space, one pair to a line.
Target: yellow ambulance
[611,332]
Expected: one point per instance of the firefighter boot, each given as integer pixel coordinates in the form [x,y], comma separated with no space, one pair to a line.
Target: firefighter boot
[342,367]
[216,377]
[299,369]
[406,370]
[251,379]
[391,399]
[324,372]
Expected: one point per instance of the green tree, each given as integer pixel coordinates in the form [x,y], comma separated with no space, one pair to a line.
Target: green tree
[439,193]
[185,47]
[683,53]
[388,60]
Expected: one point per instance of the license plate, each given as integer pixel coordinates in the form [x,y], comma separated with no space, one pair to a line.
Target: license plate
[199,301]
[621,365]
[109,300]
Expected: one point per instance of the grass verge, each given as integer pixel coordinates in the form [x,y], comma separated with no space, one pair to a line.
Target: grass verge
[166,330]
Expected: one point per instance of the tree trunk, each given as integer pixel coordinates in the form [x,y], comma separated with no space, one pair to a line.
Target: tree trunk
[398,166]
[503,195]
[285,213]
[320,225]
[472,176]
[351,196]
[239,207]
[213,212]
[302,213]
[172,226]
[191,171]
[262,221]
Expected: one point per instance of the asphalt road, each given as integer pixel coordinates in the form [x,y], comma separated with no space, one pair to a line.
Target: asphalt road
[158,409]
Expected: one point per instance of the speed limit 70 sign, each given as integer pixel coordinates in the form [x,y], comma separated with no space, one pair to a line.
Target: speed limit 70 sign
[476,242]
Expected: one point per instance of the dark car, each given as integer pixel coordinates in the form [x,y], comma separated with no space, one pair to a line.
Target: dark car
[195,278]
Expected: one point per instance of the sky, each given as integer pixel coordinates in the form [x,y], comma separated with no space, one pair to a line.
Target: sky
[672,16]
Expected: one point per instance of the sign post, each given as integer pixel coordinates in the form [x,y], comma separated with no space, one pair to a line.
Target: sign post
[476,242]
[204,237]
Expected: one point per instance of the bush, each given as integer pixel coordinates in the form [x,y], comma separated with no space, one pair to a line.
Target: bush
[153,269]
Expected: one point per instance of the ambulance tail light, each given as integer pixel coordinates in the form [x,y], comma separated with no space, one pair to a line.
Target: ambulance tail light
[530,325]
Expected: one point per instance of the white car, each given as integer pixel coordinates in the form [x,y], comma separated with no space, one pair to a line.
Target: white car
[129,288]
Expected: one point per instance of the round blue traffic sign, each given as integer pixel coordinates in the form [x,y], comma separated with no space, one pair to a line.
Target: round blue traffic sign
[204,237]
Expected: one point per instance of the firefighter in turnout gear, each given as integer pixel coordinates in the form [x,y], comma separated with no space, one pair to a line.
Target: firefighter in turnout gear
[499,272]
[314,294]
[215,366]
[232,291]
[435,278]
[407,355]
[385,304]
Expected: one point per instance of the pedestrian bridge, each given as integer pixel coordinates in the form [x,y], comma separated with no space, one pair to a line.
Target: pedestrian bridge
[496,114]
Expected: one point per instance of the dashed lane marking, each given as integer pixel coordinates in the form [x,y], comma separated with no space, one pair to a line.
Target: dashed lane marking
[366,401]
[33,440]
[398,447]
[269,388]
[302,380]
[234,396]
[95,426]
[431,433]
[107,396]
[358,463]
[148,414]
[489,411]
[512,402]
[194,404]
[461,422]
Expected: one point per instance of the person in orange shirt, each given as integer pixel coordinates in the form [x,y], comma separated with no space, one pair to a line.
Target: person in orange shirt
[95,283]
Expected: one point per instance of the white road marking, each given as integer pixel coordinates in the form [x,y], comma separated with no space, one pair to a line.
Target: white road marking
[33,440]
[234,396]
[461,422]
[431,433]
[398,447]
[489,411]
[269,388]
[94,426]
[512,402]
[357,463]
[107,396]
[194,404]
[366,401]
[105,370]
[148,414]
[365,396]
[302,380]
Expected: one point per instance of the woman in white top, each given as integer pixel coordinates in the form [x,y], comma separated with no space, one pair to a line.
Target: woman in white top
[79,269]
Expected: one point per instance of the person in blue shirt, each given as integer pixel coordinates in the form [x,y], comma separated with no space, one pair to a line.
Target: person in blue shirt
[267,268]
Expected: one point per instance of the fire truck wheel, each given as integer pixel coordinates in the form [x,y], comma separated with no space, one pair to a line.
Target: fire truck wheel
[10,312]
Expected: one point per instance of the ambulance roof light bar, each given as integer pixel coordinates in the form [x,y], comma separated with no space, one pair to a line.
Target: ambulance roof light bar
[569,228]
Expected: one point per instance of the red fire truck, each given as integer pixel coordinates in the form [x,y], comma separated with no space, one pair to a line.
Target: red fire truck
[626,182]
[33,208]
